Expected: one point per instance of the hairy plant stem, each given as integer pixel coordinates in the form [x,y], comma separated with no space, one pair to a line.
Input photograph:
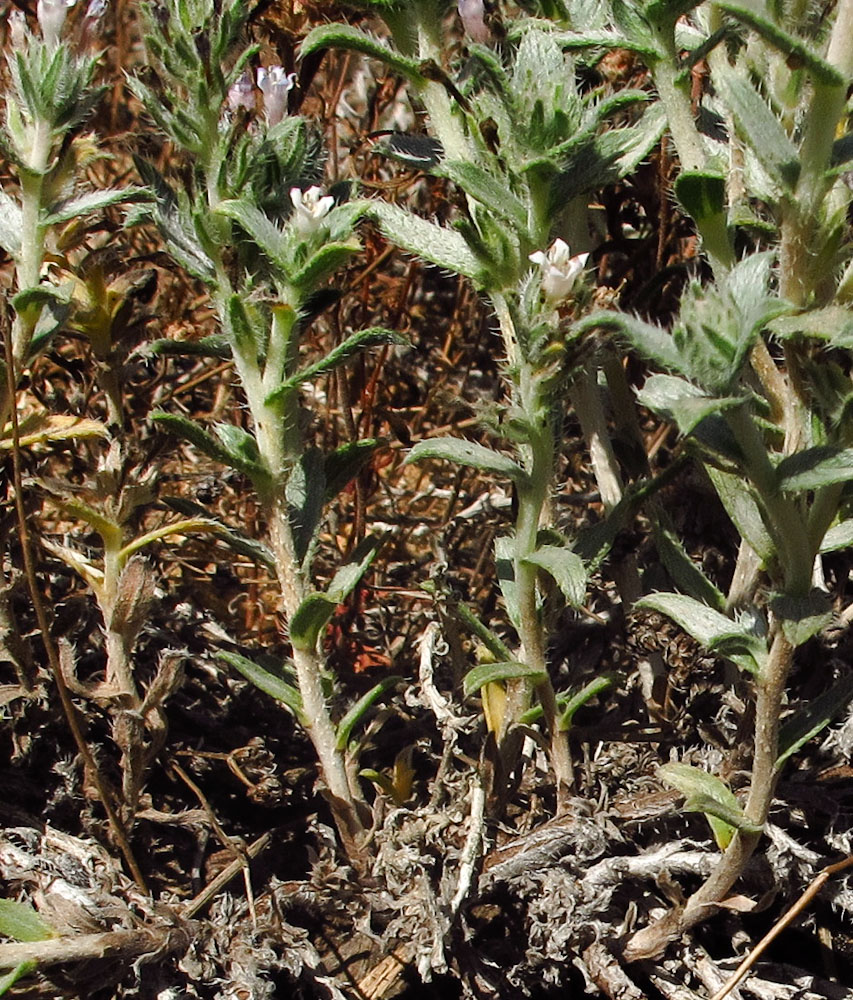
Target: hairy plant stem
[98,780]
[651,941]
[280,445]
[532,504]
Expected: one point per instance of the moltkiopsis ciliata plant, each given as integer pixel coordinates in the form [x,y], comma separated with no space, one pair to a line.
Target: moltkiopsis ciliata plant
[763,174]
[518,136]
[756,370]
[248,218]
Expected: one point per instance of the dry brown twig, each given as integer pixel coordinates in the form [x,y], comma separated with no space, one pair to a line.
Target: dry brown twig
[784,921]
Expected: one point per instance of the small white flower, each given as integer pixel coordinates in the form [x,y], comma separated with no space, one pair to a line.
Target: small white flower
[51,16]
[275,85]
[92,22]
[241,93]
[309,209]
[560,270]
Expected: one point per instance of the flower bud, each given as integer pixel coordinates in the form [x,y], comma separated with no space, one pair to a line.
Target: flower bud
[275,85]
[241,93]
[309,209]
[51,17]
[560,271]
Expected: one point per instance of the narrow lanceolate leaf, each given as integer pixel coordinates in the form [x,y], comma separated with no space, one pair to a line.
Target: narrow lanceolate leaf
[802,617]
[592,689]
[711,629]
[742,507]
[682,402]
[815,467]
[702,194]
[344,463]
[340,355]
[269,238]
[271,682]
[491,191]
[491,673]
[42,427]
[240,543]
[653,342]
[344,36]
[21,922]
[346,577]
[840,536]
[94,201]
[468,453]
[812,718]
[706,793]
[360,709]
[436,244]
[567,569]
[21,970]
[755,14]
[767,138]
[189,430]
[309,619]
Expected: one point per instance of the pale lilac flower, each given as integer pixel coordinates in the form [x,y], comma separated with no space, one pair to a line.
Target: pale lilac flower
[472,13]
[275,85]
[241,93]
[560,270]
[309,209]
[91,22]
[51,17]
[18,29]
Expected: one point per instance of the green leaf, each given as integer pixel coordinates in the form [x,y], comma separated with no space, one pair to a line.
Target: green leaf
[94,201]
[702,194]
[338,356]
[833,324]
[813,717]
[498,650]
[344,36]
[711,629]
[190,431]
[839,536]
[329,258]
[799,52]
[240,543]
[490,673]
[761,129]
[346,577]
[490,191]
[505,572]
[268,237]
[802,617]
[708,794]
[682,402]
[815,467]
[9,980]
[468,453]
[653,342]
[312,616]
[214,346]
[685,574]
[360,709]
[309,619]
[436,244]
[305,491]
[271,682]
[567,569]
[742,507]
[21,922]
[344,463]
[592,689]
